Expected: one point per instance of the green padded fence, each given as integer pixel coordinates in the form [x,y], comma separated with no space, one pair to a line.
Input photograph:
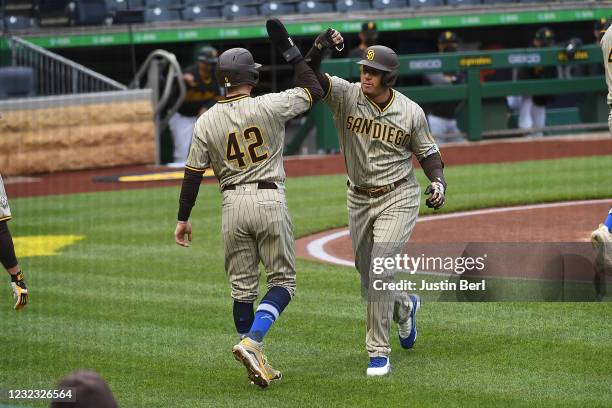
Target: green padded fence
[474,92]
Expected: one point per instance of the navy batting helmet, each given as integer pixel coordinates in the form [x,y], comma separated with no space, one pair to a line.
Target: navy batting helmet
[236,67]
[601,26]
[546,36]
[447,41]
[208,54]
[383,59]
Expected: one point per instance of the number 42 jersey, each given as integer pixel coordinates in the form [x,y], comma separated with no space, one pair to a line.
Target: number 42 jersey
[242,138]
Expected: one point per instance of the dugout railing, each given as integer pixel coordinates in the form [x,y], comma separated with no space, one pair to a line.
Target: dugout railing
[56,75]
[474,91]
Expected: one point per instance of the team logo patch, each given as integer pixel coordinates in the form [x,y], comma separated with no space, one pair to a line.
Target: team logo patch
[370,55]
[3,202]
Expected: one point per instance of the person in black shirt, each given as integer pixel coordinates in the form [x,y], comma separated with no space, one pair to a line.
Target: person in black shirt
[532,109]
[368,36]
[442,115]
[202,93]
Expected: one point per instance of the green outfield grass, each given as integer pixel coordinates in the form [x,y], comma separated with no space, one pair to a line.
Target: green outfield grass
[155,319]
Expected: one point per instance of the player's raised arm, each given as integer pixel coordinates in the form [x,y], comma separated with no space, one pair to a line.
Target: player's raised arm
[303,75]
[329,38]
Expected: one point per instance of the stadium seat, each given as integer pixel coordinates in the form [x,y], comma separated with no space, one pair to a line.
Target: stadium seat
[136,4]
[17,82]
[164,4]
[158,14]
[389,4]
[91,12]
[245,2]
[311,6]
[197,12]
[275,8]
[426,3]
[352,5]
[463,2]
[218,3]
[114,5]
[235,10]
[126,11]
[12,23]
[54,12]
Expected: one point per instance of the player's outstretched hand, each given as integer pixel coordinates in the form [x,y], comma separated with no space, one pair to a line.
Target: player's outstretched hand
[183,229]
[20,292]
[329,38]
[281,40]
[435,191]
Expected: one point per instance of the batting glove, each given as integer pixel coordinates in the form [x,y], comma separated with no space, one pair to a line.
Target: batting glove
[282,41]
[20,292]
[435,191]
[328,39]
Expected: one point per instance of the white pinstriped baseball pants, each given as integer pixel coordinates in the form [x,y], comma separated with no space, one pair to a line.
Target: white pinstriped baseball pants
[381,227]
[257,227]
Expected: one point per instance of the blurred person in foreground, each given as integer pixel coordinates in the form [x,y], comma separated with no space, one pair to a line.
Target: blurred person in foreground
[87,390]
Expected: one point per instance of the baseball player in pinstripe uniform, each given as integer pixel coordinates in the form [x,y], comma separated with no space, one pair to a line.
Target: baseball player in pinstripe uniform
[606,47]
[7,253]
[602,236]
[379,130]
[242,138]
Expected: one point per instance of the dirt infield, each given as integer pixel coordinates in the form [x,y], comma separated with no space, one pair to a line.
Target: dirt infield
[454,154]
[553,222]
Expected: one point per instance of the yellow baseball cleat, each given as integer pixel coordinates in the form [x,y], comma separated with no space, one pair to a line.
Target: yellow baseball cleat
[20,292]
[250,354]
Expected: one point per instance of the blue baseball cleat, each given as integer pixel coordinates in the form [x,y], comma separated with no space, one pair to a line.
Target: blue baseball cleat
[378,366]
[407,330]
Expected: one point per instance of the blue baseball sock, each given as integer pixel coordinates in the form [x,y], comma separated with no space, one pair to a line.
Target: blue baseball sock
[243,317]
[608,221]
[271,306]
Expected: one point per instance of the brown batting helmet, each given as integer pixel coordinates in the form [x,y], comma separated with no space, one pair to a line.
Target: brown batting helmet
[383,59]
[236,67]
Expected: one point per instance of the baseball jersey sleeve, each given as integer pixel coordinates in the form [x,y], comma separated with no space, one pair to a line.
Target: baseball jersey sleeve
[422,143]
[198,158]
[287,104]
[336,94]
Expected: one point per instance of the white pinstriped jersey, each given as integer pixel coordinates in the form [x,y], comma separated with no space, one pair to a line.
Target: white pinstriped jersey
[377,143]
[606,47]
[243,137]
